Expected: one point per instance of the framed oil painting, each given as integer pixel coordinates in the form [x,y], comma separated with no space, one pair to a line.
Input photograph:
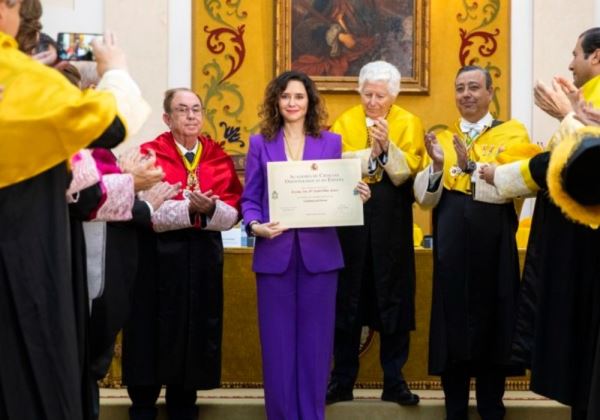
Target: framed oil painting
[330,40]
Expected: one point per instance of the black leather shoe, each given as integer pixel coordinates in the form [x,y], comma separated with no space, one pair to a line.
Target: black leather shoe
[337,393]
[401,396]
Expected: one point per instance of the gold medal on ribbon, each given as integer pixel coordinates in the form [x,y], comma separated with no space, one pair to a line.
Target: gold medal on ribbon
[192,182]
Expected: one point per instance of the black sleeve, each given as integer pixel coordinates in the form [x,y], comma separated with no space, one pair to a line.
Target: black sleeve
[433,187]
[112,136]
[538,167]
[141,214]
[88,200]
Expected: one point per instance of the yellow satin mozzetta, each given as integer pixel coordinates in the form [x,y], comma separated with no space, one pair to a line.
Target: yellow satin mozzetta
[44,119]
[591,91]
[486,148]
[405,131]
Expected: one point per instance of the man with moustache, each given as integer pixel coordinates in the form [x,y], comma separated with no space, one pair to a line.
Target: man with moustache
[475,259]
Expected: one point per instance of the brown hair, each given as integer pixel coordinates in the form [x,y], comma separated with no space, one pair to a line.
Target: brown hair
[169,94]
[272,121]
[70,72]
[30,27]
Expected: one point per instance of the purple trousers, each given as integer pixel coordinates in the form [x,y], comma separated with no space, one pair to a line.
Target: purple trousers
[296,314]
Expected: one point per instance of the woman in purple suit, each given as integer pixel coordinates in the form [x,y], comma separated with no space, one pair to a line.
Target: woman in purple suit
[296,269]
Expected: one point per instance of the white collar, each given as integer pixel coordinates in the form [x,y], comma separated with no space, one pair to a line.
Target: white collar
[184,150]
[479,126]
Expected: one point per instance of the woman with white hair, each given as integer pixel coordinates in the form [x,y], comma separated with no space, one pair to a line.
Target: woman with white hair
[377,286]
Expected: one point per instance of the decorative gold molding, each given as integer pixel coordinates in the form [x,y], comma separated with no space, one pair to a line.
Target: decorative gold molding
[418,82]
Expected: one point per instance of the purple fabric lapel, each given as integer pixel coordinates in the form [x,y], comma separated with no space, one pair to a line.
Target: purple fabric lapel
[276,148]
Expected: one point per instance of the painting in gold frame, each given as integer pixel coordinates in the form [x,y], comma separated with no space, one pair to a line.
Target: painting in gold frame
[331,40]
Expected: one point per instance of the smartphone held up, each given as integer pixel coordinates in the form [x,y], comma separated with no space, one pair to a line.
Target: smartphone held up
[75,46]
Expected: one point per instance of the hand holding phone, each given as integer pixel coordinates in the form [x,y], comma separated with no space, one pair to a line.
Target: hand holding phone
[108,54]
[75,46]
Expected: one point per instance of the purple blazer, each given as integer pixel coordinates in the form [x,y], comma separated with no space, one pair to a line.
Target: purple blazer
[320,248]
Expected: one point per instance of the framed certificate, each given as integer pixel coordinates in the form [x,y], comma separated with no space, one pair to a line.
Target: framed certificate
[317,193]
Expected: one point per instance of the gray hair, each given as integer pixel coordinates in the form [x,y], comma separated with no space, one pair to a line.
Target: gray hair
[380,71]
[10,3]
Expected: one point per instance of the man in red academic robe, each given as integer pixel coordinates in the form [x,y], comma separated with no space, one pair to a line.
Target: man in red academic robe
[174,336]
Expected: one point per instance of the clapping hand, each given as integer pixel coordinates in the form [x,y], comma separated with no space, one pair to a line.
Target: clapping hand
[570,90]
[552,100]
[109,55]
[461,152]
[587,114]
[142,167]
[202,203]
[435,151]
[486,172]
[379,137]
[159,193]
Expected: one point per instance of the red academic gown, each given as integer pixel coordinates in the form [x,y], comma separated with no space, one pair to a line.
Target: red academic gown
[174,336]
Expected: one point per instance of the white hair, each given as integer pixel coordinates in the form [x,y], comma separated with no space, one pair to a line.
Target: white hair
[380,71]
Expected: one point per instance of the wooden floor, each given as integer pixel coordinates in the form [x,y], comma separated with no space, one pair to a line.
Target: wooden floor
[248,404]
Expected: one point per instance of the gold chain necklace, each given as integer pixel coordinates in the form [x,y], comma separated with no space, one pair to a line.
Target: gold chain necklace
[299,150]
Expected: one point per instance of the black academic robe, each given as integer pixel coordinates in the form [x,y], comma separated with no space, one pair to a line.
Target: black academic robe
[594,403]
[475,284]
[39,350]
[41,303]
[174,333]
[79,211]
[382,250]
[111,310]
[559,311]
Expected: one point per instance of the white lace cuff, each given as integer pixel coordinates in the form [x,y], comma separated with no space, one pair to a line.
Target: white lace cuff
[510,183]
[223,218]
[119,198]
[396,165]
[172,215]
[427,199]
[85,174]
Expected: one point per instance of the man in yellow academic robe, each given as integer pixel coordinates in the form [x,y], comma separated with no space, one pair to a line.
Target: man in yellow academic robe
[43,121]
[476,265]
[560,293]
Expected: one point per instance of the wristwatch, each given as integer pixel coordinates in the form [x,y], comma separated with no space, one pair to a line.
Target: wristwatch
[249,227]
[470,167]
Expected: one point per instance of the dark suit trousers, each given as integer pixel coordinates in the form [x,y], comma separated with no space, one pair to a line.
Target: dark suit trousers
[393,354]
[489,388]
[181,403]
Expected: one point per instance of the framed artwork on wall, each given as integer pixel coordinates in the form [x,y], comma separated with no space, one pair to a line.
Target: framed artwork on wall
[330,40]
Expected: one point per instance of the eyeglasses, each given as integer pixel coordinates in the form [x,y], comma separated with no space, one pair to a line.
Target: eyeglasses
[184,110]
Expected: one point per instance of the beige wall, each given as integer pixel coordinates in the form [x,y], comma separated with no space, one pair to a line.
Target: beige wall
[142,27]
[556,26]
